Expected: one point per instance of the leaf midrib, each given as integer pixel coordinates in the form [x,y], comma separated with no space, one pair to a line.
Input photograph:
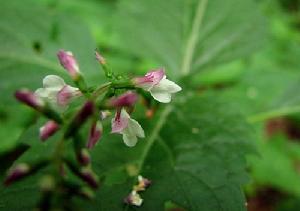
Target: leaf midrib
[193,38]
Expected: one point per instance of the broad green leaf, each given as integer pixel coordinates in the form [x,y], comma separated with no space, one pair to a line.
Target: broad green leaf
[30,36]
[194,154]
[187,35]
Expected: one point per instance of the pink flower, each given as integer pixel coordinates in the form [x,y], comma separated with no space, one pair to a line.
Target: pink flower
[29,98]
[16,173]
[129,128]
[57,92]
[48,130]
[158,85]
[95,134]
[125,100]
[68,61]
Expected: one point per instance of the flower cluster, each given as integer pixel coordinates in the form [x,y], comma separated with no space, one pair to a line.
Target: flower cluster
[118,96]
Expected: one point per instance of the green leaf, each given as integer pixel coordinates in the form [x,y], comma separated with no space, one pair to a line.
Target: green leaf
[185,36]
[30,40]
[194,154]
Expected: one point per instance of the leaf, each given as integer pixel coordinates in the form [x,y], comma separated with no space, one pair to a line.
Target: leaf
[186,36]
[29,42]
[198,167]
[194,155]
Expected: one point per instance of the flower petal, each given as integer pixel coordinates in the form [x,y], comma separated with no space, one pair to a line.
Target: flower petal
[163,97]
[136,128]
[168,86]
[129,138]
[66,94]
[120,122]
[53,81]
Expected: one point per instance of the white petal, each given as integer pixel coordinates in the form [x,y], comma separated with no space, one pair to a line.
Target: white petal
[42,93]
[53,81]
[168,86]
[136,128]
[129,138]
[163,97]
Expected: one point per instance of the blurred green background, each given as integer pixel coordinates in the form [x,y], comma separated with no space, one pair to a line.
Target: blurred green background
[260,75]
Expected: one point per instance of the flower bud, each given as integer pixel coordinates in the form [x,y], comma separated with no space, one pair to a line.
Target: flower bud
[29,98]
[133,199]
[100,58]
[89,177]
[85,112]
[16,173]
[95,134]
[127,99]
[68,61]
[83,157]
[48,130]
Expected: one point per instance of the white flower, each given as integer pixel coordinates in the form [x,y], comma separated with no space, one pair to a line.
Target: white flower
[56,91]
[129,128]
[158,85]
[134,199]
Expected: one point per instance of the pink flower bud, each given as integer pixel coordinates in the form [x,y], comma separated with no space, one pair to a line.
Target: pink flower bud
[100,58]
[29,98]
[68,61]
[48,130]
[89,177]
[95,134]
[17,173]
[83,157]
[127,99]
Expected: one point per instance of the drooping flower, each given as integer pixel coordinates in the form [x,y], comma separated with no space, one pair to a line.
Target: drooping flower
[56,91]
[127,99]
[68,61]
[133,199]
[95,134]
[158,85]
[48,130]
[129,128]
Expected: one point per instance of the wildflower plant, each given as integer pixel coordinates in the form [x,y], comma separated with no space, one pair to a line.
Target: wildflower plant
[119,95]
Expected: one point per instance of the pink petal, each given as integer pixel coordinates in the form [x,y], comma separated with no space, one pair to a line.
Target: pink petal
[29,98]
[65,95]
[120,122]
[127,99]
[150,79]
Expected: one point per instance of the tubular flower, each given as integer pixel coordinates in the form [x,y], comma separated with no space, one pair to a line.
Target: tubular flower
[129,128]
[56,91]
[158,85]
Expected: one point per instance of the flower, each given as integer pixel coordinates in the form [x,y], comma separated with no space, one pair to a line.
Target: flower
[95,134]
[56,91]
[158,85]
[16,173]
[68,61]
[133,199]
[143,184]
[48,130]
[129,128]
[127,99]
